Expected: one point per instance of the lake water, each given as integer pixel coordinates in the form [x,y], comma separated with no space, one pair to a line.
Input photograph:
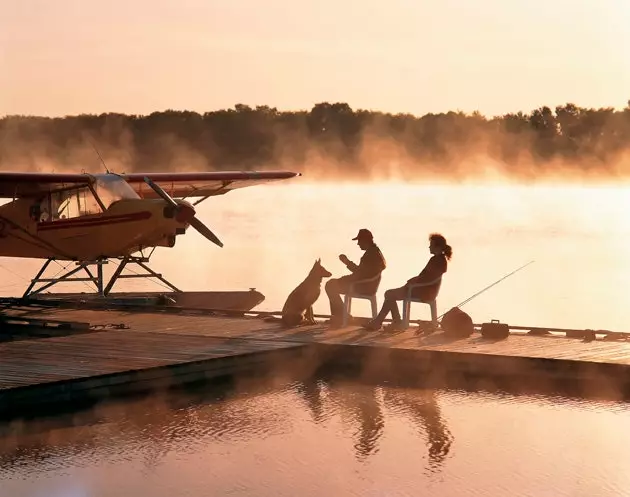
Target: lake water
[347,438]
[578,236]
[325,437]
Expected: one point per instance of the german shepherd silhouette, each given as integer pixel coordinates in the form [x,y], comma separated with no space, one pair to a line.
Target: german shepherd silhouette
[298,308]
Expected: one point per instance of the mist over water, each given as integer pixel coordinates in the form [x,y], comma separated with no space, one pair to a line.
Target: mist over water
[332,141]
[579,237]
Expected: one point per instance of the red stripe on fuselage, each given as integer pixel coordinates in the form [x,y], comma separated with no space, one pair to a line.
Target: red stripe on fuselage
[85,222]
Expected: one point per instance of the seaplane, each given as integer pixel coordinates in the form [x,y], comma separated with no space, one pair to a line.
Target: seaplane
[91,219]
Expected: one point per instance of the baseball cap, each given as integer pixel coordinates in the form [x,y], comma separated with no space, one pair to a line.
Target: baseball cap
[365,234]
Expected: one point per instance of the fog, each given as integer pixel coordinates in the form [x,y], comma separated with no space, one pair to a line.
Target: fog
[333,142]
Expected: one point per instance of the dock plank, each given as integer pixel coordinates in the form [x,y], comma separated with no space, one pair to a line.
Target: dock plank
[153,340]
[517,345]
[107,352]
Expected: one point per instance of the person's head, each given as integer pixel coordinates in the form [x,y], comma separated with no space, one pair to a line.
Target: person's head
[438,245]
[364,239]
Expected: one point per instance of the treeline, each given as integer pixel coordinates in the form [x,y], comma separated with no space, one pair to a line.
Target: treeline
[329,139]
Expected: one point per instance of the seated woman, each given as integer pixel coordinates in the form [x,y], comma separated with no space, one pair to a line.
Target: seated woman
[434,269]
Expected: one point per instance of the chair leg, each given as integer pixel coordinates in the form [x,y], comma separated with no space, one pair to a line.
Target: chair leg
[406,305]
[434,316]
[347,304]
[374,307]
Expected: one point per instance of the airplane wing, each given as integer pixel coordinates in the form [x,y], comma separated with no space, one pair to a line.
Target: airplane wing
[178,185]
[204,184]
[18,185]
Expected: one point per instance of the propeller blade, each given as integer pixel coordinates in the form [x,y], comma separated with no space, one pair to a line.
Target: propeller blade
[160,191]
[205,231]
[194,222]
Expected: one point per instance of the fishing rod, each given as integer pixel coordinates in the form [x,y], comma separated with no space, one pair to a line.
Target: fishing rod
[490,286]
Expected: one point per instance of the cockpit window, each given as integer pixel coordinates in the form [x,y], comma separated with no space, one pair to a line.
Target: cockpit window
[73,203]
[111,188]
[81,201]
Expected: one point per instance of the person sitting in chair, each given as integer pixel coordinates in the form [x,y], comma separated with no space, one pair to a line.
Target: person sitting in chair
[435,268]
[370,266]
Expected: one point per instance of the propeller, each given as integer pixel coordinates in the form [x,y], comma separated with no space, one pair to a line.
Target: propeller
[194,222]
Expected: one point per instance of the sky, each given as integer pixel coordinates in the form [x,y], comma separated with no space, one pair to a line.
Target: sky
[67,57]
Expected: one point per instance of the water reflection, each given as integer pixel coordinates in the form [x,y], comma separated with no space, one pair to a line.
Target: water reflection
[357,405]
[423,410]
[362,408]
[312,392]
[350,434]
[152,427]
[157,426]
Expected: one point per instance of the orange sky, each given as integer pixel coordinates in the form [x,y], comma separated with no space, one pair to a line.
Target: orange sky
[72,56]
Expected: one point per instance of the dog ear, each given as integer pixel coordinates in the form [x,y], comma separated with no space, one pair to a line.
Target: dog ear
[318,261]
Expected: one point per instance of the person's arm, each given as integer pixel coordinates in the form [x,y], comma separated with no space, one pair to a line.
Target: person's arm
[371,265]
[352,267]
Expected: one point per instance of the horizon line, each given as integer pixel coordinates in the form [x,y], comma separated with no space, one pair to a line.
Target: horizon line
[306,110]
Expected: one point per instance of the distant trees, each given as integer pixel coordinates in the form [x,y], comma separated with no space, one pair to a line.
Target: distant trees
[330,138]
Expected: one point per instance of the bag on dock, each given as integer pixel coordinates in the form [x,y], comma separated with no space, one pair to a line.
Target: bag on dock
[457,324]
[495,329]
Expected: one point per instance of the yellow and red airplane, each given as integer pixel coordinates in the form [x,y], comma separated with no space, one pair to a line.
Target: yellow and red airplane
[89,218]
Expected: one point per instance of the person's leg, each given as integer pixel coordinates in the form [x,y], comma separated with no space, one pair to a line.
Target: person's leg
[334,289]
[399,294]
[389,306]
[385,310]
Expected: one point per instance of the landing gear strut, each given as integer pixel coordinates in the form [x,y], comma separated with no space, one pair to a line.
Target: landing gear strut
[103,289]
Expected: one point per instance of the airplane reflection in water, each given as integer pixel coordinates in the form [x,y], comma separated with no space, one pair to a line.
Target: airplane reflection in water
[150,429]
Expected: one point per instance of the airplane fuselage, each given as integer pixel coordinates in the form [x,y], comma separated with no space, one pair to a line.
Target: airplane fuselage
[125,227]
[89,217]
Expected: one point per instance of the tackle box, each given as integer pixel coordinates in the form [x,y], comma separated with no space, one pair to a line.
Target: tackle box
[495,329]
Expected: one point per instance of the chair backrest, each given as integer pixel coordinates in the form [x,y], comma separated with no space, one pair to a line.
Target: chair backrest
[368,286]
[432,289]
[436,288]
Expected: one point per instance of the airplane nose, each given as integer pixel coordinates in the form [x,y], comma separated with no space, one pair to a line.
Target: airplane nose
[190,214]
[185,213]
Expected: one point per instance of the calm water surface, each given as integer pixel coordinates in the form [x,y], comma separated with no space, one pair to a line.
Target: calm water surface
[578,236]
[325,438]
[354,439]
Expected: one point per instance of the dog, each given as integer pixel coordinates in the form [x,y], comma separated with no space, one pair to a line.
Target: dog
[298,309]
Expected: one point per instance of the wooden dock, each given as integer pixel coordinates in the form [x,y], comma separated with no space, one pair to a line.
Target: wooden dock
[130,351]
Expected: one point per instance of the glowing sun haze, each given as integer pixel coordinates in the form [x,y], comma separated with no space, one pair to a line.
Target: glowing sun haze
[71,56]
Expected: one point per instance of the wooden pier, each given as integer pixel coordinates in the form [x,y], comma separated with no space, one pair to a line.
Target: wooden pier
[130,351]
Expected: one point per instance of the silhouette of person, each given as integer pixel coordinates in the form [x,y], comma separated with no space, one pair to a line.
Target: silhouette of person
[313,395]
[433,270]
[358,405]
[424,410]
[372,264]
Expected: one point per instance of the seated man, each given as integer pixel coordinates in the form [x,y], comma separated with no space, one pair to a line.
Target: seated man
[434,269]
[372,264]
